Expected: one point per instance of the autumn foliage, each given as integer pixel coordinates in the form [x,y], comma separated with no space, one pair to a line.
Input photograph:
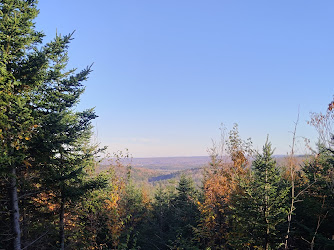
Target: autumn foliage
[54,193]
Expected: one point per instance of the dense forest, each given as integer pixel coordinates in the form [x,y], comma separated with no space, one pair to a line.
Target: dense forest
[52,195]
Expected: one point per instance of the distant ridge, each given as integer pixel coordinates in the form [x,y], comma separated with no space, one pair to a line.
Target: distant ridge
[172,163]
[165,163]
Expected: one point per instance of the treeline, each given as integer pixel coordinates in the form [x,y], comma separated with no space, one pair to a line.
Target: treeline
[248,203]
[51,196]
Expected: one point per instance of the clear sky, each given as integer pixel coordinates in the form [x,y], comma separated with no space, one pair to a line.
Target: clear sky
[167,73]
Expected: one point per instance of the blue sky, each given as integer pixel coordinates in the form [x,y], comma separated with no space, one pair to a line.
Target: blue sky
[168,73]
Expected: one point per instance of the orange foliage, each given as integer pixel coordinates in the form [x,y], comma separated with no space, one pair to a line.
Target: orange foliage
[47,200]
[220,183]
[331,106]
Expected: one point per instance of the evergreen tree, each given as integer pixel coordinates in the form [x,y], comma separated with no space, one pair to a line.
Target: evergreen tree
[186,214]
[158,227]
[135,205]
[315,214]
[260,209]
[21,70]
[61,146]
[171,220]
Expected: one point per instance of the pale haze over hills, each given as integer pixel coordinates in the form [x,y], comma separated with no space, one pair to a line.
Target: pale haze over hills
[155,169]
[169,163]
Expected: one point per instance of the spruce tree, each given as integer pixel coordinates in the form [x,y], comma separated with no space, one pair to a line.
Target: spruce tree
[39,127]
[61,147]
[185,214]
[159,229]
[173,217]
[260,207]
[21,70]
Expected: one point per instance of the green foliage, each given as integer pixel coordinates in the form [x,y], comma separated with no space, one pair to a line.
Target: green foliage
[41,136]
[96,214]
[315,214]
[173,218]
[136,210]
[49,186]
[61,146]
[260,205]
[22,67]
[21,70]
[186,212]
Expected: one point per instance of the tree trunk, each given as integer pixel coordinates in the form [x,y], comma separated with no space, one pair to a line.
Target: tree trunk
[15,214]
[62,223]
[292,168]
[291,209]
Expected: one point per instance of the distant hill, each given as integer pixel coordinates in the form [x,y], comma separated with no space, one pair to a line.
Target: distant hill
[171,163]
[195,173]
[162,169]
[165,163]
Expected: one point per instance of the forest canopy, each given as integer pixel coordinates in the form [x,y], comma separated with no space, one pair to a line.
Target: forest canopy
[53,193]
